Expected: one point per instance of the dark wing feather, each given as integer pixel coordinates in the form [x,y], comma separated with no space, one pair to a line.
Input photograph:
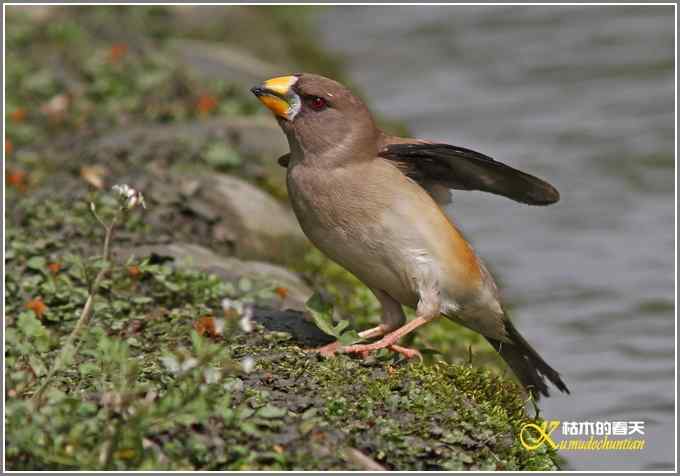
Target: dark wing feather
[284,160]
[464,169]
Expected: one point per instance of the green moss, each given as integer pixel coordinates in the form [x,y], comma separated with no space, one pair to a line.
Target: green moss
[355,301]
[145,391]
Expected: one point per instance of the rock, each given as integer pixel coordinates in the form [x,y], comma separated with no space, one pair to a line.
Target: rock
[303,331]
[257,140]
[38,13]
[253,29]
[228,268]
[258,226]
[251,136]
[209,60]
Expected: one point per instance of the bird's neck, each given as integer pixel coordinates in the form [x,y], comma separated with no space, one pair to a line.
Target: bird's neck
[352,149]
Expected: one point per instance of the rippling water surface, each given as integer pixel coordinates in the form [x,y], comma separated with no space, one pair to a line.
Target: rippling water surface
[584,97]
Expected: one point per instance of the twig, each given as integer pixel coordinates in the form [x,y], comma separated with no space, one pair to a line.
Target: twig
[86,313]
[362,460]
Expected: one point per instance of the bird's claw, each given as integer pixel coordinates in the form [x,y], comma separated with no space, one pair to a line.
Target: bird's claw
[365,349]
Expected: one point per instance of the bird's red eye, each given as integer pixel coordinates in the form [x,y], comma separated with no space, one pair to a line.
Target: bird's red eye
[317,103]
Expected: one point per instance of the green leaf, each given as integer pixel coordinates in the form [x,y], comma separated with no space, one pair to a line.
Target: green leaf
[341,326]
[310,424]
[142,299]
[219,155]
[271,411]
[350,337]
[88,368]
[37,263]
[37,365]
[322,313]
[244,412]
[250,429]
[196,341]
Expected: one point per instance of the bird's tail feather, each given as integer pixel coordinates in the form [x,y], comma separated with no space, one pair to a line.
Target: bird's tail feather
[526,363]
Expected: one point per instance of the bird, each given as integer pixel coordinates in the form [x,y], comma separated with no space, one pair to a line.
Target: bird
[375,204]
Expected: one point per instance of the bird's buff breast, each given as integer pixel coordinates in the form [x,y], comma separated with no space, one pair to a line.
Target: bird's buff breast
[341,216]
[356,220]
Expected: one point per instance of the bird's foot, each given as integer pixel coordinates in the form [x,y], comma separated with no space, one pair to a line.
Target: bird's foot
[364,349]
[387,342]
[406,352]
[328,350]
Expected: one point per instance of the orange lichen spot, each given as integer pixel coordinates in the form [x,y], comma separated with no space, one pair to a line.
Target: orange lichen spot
[206,104]
[17,179]
[18,115]
[37,306]
[282,292]
[206,326]
[134,271]
[54,267]
[117,52]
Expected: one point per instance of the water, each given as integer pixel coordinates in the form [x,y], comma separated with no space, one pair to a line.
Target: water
[582,96]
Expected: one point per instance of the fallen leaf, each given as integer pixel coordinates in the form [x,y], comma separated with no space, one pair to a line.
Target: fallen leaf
[206,326]
[134,271]
[271,411]
[9,147]
[37,306]
[56,107]
[282,292]
[157,314]
[94,175]
[125,454]
[54,267]
[206,104]
[17,179]
[117,52]
[135,326]
[278,449]
[18,115]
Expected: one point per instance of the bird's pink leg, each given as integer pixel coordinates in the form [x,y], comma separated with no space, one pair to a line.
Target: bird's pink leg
[333,347]
[393,318]
[389,340]
[330,349]
[406,351]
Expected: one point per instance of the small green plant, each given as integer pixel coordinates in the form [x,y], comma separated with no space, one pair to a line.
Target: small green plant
[127,199]
[322,313]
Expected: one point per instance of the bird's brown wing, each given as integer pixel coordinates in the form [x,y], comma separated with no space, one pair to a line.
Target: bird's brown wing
[464,169]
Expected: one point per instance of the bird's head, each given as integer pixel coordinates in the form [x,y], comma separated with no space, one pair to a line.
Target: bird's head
[317,113]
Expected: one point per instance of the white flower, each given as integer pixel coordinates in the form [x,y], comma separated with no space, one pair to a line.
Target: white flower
[189,364]
[170,363]
[129,198]
[246,322]
[212,375]
[219,326]
[229,305]
[248,364]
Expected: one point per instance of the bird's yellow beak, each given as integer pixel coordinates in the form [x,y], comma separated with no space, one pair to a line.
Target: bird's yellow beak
[278,95]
